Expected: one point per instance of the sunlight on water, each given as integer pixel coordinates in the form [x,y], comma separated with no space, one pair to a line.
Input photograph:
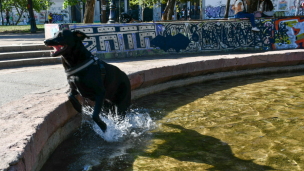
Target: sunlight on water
[136,122]
[247,123]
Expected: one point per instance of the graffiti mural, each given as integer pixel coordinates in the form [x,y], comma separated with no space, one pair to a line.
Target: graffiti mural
[217,12]
[222,35]
[289,33]
[216,8]
[117,38]
[59,15]
[275,34]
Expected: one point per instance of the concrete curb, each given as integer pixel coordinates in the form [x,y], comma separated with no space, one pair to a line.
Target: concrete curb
[24,54]
[30,62]
[17,48]
[51,119]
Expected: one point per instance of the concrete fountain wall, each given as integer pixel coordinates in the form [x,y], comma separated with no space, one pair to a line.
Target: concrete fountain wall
[48,118]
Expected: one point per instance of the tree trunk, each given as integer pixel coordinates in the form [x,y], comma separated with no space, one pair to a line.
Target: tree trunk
[168,10]
[1,13]
[31,13]
[171,9]
[165,14]
[89,11]
[103,17]
[20,15]
[142,13]
[227,9]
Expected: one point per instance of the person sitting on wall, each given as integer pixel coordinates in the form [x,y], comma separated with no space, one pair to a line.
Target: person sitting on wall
[266,8]
[239,8]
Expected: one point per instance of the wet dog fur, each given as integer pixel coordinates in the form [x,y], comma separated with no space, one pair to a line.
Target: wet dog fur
[109,92]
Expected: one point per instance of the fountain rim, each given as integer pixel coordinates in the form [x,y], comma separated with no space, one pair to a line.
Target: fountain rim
[59,123]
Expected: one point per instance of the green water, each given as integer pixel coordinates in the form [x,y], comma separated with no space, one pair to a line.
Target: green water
[248,123]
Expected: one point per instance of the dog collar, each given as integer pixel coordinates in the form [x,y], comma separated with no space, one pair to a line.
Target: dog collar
[69,73]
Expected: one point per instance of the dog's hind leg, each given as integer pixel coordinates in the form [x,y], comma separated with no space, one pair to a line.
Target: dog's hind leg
[97,109]
[108,107]
[123,99]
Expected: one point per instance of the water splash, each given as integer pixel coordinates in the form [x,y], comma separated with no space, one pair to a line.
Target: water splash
[135,123]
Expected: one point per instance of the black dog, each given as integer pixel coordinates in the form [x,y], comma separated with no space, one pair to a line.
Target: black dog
[94,79]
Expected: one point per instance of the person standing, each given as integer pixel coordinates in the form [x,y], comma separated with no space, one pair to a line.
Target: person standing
[183,14]
[188,14]
[239,7]
[7,16]
[24,20]
[50,18]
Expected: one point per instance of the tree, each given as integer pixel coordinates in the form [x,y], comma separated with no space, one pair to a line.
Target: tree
[89,8]
[144,4]
[21,6]
[227,9]
[169,10]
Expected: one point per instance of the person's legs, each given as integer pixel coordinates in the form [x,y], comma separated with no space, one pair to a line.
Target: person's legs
[246,15]
[7,21]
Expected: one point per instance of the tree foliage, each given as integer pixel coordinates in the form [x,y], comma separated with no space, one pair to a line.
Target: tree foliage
[21,6]
[67,3]
[144,3]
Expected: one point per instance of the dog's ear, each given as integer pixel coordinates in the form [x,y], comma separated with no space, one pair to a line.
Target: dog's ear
[80,34]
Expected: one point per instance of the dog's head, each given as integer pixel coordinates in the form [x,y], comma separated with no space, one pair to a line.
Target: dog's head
[63,41]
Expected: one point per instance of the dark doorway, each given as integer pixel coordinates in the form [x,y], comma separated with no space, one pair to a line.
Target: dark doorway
[148,14]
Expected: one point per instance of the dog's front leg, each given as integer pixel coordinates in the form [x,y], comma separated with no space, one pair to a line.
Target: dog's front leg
[97,109]
[77,106]
[73,92]
[75,103]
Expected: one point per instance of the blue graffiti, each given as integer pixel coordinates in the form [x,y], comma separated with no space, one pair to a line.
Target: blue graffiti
[217,12]
[57,18]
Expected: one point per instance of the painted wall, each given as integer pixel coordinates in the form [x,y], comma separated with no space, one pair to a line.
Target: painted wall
[39,17]
[275,34]
[216,8]
[59,15]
